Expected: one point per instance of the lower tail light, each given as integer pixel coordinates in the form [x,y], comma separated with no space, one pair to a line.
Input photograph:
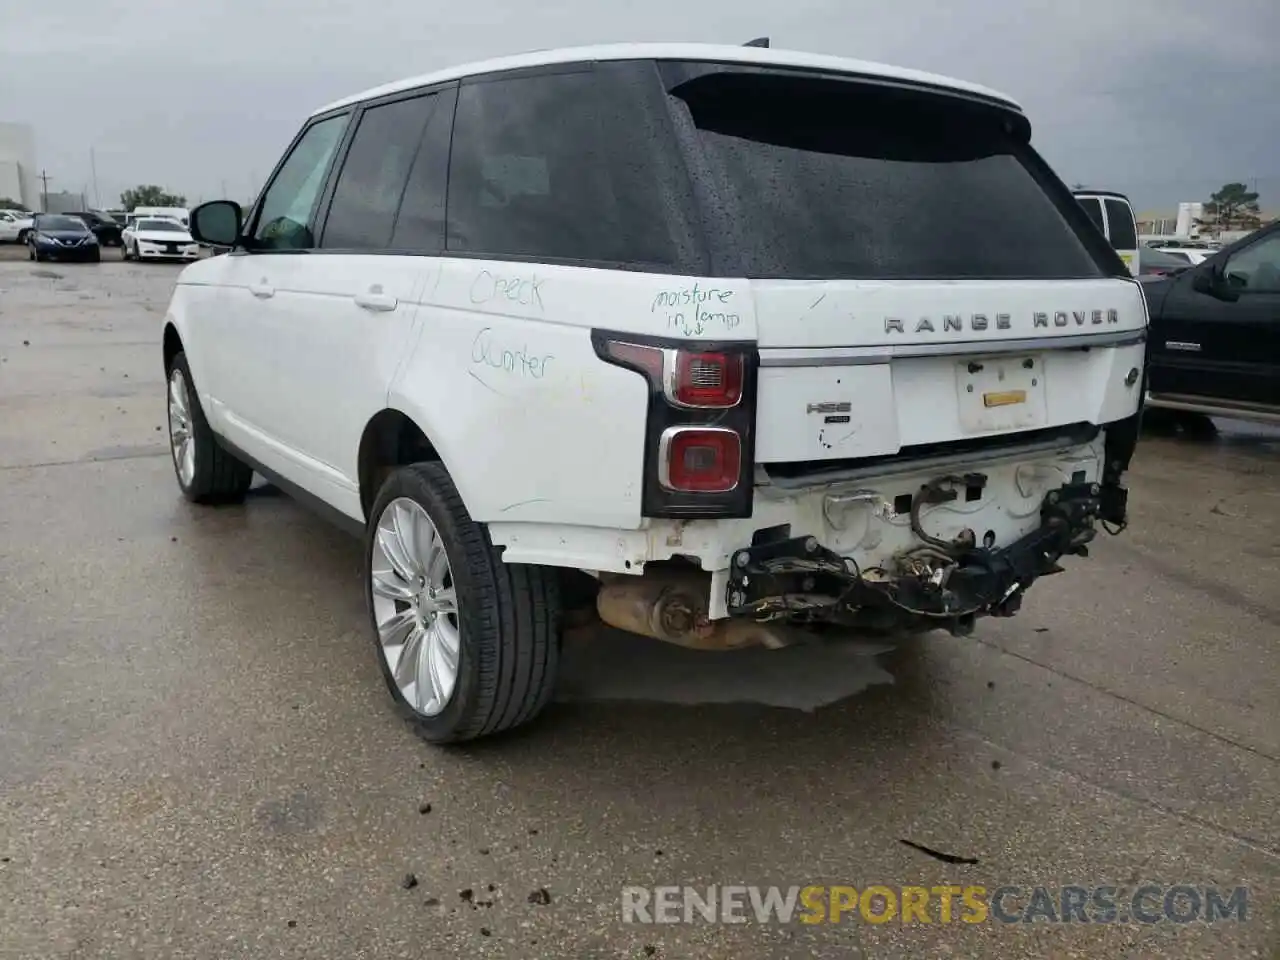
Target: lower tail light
[699,459]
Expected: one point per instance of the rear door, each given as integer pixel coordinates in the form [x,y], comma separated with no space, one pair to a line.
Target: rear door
[1122,231]
[1113,215]
[1225,350]
[349,314]
[918,276]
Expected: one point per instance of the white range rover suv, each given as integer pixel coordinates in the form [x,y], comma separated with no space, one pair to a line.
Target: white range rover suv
[752,345]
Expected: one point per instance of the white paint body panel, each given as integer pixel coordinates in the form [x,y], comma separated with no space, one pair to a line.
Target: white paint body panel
[546,442]
[867,344]
[720,53]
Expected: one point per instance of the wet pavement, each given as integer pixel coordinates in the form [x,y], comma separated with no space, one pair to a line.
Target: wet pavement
[198,758]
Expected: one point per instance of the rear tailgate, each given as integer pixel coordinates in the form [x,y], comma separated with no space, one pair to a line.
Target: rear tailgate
[854,369]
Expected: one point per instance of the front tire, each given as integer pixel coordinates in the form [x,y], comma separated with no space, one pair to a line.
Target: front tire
[469,646]
[206,472]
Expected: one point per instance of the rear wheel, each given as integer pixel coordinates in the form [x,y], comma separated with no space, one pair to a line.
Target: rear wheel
[206,472]
[469,646]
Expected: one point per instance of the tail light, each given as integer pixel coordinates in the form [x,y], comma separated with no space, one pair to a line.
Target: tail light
[705,380]
[701,422]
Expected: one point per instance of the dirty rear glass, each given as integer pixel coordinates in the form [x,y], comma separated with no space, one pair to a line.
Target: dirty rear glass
[816,178]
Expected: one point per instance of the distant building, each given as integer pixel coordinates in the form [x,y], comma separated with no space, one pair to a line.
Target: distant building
[18,171]
[1185,224]
[63,201]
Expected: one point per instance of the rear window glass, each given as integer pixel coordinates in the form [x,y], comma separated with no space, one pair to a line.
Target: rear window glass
[815,178]
[1124,234]
[1093,207]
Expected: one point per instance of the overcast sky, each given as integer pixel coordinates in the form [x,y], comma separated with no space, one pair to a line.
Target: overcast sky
[1163,100]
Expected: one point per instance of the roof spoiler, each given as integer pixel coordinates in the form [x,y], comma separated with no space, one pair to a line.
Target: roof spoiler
[757,42]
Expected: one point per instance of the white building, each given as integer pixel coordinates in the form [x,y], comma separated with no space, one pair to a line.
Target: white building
[18,171]
[1189,215]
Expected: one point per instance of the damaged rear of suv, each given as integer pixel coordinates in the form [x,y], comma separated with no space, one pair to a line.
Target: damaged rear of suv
[747,344]
[942,389]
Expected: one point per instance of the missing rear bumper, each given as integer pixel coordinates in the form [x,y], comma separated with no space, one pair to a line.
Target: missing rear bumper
[935,584]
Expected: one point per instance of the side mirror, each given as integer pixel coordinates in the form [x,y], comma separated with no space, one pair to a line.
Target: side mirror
[217,223]
[1210,279]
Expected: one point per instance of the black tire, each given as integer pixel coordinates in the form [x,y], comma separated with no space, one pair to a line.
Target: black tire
[22,237]
[509,618]
[218,477]
[97,257]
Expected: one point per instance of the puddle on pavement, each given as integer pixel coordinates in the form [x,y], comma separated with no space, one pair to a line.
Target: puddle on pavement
[611,665]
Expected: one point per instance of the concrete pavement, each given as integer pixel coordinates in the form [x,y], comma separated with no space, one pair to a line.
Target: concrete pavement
[198,758]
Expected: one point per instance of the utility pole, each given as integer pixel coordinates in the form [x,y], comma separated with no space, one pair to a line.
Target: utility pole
[44,192]
[93,166]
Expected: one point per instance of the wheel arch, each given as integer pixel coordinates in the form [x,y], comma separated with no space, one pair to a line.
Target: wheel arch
[172,345]
[391,438]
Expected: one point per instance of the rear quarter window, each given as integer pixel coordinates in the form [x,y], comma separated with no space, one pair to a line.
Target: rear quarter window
[815,178]
[573,166]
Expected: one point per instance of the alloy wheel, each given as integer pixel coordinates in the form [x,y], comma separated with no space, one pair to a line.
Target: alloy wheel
[181,442]
[415,606]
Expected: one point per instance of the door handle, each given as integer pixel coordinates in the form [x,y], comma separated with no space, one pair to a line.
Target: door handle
[262,289]
[374,299]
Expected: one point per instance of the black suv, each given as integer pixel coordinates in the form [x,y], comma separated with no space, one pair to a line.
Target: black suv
[106,229]
[1215,333]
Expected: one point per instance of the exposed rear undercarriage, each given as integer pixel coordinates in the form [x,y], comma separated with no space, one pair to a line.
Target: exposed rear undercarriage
[783,591]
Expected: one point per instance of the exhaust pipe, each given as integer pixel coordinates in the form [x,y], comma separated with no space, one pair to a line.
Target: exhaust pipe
[672,607]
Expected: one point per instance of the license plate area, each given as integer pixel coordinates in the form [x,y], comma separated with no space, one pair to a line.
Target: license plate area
[1001,393]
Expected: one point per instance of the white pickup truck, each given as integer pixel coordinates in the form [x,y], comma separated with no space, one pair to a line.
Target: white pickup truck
[754,343]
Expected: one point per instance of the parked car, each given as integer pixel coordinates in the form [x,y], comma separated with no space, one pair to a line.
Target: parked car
[1191,255]
[15,226]
[1160,263]
[56,236]
[1215,333]
[104,227]
[158,238]
[181,214]
[670,372]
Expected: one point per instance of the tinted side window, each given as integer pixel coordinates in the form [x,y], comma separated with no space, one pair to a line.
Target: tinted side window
[367,194]
[816,178]
[288,205]
[1124,232]
[573,166]
[1093,207]
[1256,268]
[420,223]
